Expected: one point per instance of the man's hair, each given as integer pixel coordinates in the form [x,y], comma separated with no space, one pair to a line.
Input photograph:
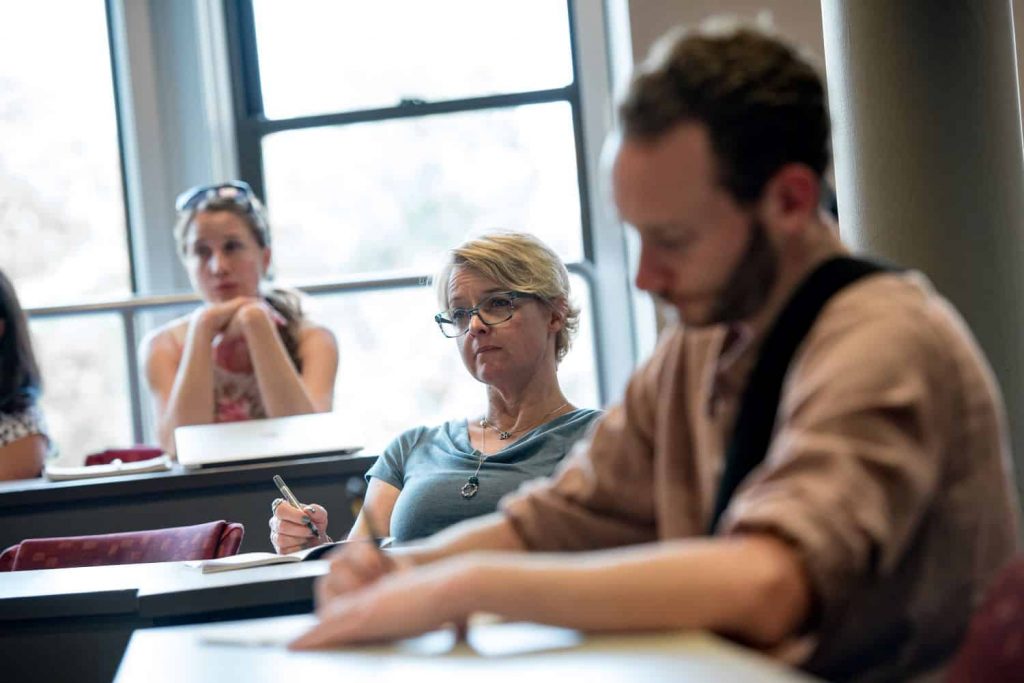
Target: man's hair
[763,104]
[522,263]
[20,383]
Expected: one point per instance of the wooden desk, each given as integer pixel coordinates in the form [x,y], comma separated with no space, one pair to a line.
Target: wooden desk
[494,653]
[242,493]
[74,624]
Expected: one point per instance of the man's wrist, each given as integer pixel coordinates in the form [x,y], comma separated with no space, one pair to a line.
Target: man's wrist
[464,588]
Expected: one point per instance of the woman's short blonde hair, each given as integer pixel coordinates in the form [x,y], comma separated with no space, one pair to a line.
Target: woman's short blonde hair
[522,263]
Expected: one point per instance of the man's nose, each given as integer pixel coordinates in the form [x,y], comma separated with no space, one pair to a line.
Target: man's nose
[648,273]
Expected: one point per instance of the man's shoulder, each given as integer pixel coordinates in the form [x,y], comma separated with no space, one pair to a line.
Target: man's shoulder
[892,322]
[900,304]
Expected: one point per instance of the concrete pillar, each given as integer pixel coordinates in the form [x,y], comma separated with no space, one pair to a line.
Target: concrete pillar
[929,160]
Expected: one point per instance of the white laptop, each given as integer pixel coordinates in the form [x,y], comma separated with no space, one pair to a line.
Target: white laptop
[232,443]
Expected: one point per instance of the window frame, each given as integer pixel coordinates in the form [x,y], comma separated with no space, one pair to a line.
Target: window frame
[605,250]
[174,137]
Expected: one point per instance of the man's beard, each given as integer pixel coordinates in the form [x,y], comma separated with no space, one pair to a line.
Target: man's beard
[751,281]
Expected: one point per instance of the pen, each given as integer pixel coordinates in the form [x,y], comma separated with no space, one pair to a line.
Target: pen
[293,501]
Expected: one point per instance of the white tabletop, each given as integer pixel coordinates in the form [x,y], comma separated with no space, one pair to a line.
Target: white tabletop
[514,652]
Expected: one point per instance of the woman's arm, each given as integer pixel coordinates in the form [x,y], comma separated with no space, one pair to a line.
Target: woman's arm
[181,381]
[283,390]
[288,531]
[23,458]
[378,504]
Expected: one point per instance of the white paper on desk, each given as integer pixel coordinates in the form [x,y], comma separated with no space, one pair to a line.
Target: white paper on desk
[258,632]
[59,472]
[484,639]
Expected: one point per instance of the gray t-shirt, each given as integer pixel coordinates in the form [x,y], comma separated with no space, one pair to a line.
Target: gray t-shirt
[431,464]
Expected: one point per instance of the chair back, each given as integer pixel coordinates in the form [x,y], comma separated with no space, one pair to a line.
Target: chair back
[994,647]
[133,454]
[198,542]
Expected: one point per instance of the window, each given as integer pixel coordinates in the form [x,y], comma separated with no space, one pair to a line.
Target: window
[62,216]
[426,122]
[382,134]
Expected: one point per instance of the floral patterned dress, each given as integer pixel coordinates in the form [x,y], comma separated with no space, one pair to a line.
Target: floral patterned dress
[14,426]
[236,394]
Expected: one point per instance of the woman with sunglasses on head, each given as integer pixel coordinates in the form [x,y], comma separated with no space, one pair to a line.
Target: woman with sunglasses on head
[505,301]
[24,444]
[248,352]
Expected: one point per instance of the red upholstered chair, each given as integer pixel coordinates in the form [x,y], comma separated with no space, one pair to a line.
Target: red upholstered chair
[199,542]
[994,647]
[133,454]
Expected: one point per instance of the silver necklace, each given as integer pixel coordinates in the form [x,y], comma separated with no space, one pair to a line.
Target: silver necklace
[472,484]
[506,434]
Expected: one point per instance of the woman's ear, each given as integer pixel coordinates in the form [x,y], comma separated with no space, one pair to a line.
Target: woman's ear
[266,260]
[559,311]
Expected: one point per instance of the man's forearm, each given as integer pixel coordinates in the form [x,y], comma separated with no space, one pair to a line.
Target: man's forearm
[488,533]
[753,588]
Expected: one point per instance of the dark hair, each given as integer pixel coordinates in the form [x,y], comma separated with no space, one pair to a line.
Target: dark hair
[763,104]
[20,383]
[284,301]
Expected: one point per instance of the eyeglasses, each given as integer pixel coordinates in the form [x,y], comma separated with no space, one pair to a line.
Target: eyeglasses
[237,191]
[494,310]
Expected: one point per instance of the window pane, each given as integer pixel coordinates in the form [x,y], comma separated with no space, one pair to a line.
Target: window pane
[384,388]
[396,194]
[61,204]
[365,55]
[85,383]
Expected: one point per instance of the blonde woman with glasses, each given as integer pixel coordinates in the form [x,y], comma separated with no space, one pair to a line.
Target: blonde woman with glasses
[505,301]
[249,351]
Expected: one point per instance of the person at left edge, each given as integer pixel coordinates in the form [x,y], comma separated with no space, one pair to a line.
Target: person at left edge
[24,444]
[248,352]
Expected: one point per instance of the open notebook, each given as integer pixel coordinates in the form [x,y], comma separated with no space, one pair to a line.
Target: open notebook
[244,560]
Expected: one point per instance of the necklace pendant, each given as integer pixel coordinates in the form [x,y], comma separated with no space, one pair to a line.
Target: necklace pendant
[470,488]
[504,435]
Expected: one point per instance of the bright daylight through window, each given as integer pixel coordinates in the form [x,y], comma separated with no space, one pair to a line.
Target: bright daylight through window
[62,215]
[390,189]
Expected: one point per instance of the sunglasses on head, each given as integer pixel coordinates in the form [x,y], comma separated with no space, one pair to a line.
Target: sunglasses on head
[236,190]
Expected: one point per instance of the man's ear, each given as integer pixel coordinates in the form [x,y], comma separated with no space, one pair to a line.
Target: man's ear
[791,197]
[3,326]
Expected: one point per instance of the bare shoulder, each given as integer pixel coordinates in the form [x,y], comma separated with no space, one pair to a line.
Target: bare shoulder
[169,338]
[314,334]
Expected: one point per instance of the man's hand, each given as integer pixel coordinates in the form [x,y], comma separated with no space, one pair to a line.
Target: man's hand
[384,600]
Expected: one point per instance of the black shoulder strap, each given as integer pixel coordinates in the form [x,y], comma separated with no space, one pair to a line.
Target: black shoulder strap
[755,420]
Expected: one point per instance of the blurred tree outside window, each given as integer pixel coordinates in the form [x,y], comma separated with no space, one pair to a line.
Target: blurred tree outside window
[63,238]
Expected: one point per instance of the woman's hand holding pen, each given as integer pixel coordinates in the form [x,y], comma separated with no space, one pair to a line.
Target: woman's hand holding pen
[289,526]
